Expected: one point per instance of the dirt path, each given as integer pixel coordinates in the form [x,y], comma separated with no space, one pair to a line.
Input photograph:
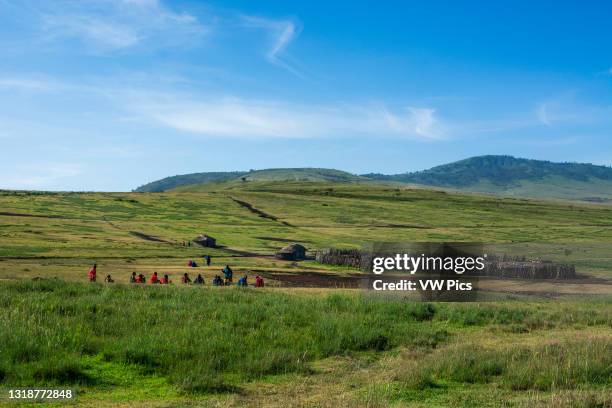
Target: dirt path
[147,237]
[12,214]
[259,212]
[305,279]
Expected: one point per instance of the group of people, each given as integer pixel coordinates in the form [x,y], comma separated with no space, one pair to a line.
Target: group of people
[185,279]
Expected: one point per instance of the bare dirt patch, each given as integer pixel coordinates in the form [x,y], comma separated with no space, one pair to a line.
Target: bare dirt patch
[314,280]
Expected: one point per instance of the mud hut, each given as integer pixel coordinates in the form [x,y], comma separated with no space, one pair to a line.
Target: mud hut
[206,241]
[292,252]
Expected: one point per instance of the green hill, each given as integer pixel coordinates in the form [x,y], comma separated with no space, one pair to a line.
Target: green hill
[289,174]
[169,183]
[301,174]
[518,177]
[505,175]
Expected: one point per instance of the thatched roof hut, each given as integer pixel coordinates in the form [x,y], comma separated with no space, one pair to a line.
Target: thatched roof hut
[292,252]
[206,241]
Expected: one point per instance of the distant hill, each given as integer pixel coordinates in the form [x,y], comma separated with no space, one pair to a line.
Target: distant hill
[289,174]
[301,174]
[505,175]
[514,176]
[169,183]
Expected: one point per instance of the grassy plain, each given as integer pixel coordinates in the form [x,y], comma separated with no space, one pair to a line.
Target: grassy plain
[174,346]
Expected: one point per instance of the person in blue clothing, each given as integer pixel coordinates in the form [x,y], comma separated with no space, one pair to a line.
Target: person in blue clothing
[242,282]
[227,271]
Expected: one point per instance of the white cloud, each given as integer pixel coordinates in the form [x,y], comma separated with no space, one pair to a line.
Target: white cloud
[246,118]
[25,84]
[282,33]
[424,121]
[102,34]
[542,114]
[114,25]
[567,108]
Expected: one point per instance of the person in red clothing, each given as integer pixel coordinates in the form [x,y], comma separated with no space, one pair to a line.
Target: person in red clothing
[185,279]
[154,278]
[140,278]
[92,273]
[165,280]
[259,282]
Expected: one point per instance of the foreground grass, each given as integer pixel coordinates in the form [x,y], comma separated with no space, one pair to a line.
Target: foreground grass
[202,340]
[163,343]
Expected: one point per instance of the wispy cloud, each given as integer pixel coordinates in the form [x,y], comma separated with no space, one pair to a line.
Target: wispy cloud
[567,108]
[542,114]
[247,118]
[424,121]
[28,84]
[111,25]
[282,33]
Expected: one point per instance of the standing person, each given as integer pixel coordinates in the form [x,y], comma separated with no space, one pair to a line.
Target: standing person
[154,278]
[185,279]
[208,258]
[259,282]
[227,271]
[133,277]
[92,273]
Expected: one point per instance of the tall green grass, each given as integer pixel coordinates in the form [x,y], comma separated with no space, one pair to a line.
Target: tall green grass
[541,367]
[214,339]
[202,339]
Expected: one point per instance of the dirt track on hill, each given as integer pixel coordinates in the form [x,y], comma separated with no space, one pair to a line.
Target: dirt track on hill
[12,214]
[259,212]
[148,237]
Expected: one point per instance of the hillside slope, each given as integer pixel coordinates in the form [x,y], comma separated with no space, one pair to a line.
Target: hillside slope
[518,177]
[188,179]
[288,174]
[301,174]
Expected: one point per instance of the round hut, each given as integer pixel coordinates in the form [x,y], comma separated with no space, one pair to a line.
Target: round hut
[206,241]
[292,252]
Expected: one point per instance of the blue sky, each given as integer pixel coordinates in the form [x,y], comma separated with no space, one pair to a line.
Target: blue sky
[111,94]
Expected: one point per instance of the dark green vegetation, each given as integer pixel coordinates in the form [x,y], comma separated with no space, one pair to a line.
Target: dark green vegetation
[514,176]
[208,341]
[504,175]
[500,170]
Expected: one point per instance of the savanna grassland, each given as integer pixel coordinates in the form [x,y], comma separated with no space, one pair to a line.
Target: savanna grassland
[179,345]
